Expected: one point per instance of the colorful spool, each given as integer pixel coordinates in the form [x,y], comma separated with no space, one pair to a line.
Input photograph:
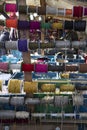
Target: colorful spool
[4,66]
[27,67]
[41,68]
[80,25]
[77,11]
[22,24]
[30,87]
[45,25]
[68,25]
[11,45]
[58,25]
[61,11]
[68,12]
[22,45]
[10,7]
[14,86]
[34,25]
[85,11]
[11,23]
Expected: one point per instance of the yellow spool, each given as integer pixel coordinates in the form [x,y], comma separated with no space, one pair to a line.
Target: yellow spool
[14,86]
[30,87]
[48,88]
[67,87]
[58,25]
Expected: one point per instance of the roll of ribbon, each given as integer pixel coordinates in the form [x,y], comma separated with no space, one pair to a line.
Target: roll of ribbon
[17,101]
[22,45]
[80,25]
[56,68]
[61,100]
[48,87]
[42,68]
[77,11]
[11,45]
[68,25]
[22,24]
[4,66]
[15,66]
[71,68]
[67,87]
[4,100]
[58,25]
[85,11]
[51,10]
[27,67]
[30,87]
[77,99]
[7,114]
[34,25]
[61,11]
[10,7]
[78,44]
[83,68]
[22,115]
[45,25]
[14,86]
[11,23]
[60,44]
[68,11]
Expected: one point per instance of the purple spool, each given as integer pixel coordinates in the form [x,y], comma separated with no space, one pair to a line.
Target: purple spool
[23,25]
[42,68]
[34,25]
[10,7]
[85,11]
[22,45]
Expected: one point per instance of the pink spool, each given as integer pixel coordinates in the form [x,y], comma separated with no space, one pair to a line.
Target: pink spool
[41,68]
[10,7]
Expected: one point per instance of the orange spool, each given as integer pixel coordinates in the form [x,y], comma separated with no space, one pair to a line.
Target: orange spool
[68,11]
[11,23]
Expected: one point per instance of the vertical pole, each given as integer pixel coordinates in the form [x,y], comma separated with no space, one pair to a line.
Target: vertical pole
[26,55]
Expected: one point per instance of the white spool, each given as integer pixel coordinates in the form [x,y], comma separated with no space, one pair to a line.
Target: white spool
[17,101]
[11,45]
[62,44]
[22,115]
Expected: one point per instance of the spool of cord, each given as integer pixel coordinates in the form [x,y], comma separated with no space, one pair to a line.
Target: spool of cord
[9,7]
[23,45]
[23,25]
[11,45]
[11,23]
[77,100]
